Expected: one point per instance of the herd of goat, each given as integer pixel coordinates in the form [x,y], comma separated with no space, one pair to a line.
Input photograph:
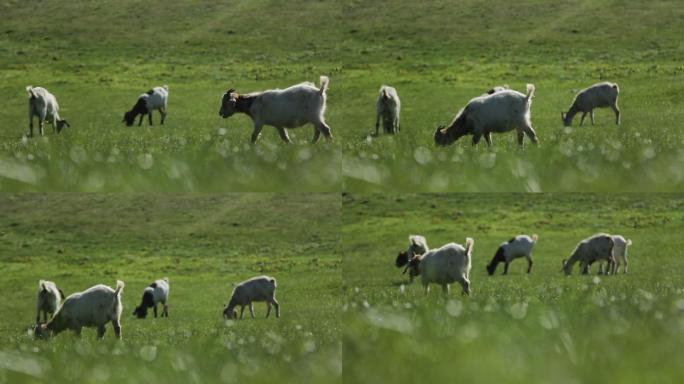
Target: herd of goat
[451,263]
[99,305]
[499,110]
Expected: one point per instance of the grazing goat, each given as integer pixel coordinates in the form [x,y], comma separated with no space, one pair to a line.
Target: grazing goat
[417,246]
[260,288]
[519,246]
[157,292]
[620,255]
[94,307]
[498,112]
[388,108]
[601,95]
[49,298]
[43,104]
[154,99]
[288,108]
[448,264]
[596,248]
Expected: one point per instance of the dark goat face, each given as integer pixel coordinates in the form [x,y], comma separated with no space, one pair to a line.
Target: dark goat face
[128,118]
[490,268]
[564,118]
[140,312]
[40,331]
[228,102]
[440,136]
[61,124]
[402,259]
[229,314]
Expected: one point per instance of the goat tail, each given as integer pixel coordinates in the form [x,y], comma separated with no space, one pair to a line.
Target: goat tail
[324,84]
[469,248]
[616,88]
[41,285]
[629,242]
[535,237]
[166,87]
[119,288]
[530,92]
[166,279]
[29,89]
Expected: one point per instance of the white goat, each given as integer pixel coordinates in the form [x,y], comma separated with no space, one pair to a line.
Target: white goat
[154,99]
[94,307]
[387,108]
[417,246]
[501,111]
[43,104]
[259,288]
[601,95]
[448,264]
[288,108]
[157,292]
[49,298]
[596,248]
[519,246]
[620,255]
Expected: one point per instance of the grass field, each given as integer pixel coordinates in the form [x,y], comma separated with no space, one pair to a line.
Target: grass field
[440,54]
[203,243]
[98,57]
[542,327]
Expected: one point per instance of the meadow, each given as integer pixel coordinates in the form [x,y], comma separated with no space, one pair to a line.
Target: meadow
[440,54]
[204,244]
[519,328]
[97,58]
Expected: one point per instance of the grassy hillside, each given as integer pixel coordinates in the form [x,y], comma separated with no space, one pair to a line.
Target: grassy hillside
[97,57]
[204,244]
[516,328]
[440,54]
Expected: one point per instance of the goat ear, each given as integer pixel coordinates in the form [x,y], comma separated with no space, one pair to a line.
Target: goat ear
[231,90]
[562,115]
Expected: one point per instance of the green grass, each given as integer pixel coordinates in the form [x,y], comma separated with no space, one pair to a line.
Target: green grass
[440,54]
[204,244]
[97,58]
[518,328]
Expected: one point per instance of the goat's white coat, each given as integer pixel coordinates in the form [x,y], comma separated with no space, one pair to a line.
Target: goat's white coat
[600,95]
[43,104]
[499,112]
[388,110]
[94,307]
[158,100]
[259,288]
[447,264]
[291,107]
[593,249]
[48,300]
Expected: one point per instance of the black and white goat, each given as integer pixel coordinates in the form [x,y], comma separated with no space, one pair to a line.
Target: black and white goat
[155,293]
[516,247]
[154,99]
